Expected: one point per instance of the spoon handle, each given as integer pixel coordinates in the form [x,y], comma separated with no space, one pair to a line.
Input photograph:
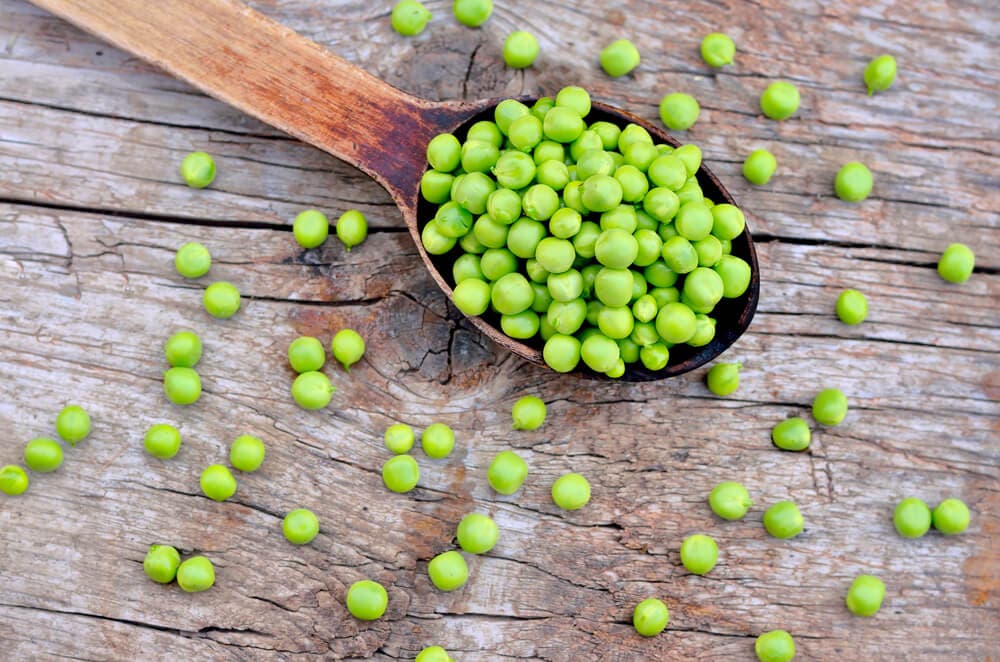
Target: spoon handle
[245,59]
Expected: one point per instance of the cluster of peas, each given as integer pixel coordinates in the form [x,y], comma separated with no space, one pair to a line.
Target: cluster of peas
[44,454]
[589,235]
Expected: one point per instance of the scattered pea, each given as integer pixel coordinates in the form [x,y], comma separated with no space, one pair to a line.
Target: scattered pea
[348,347]
[730,500]
[775,646]
[679,111]
[717,49]
[352,228]
[433,654]
[699,554]
[300,526]
[864,597]
[161,563]
[438,440]
[619,58]
[830,407]
[409,17]
[367,600]
[246,453]
[520,49]
[880,74]
[183,349]
[217,482]
[724,378]
[182,385]
[198,169]
[43,455]
[507,472]
[853,182]
[196,574]
[852,307]
[13,480]
[399,438]
[311,228]
[192,260]
[792,434]
[306,354]
[951,517]
[73,424]
[571,491]
[783,520]
[650,617]
[477,534]
[222,300]
[912,518]
[400,473]
[162,441]
[448,571]
[780,100]
[528,413]
[956,263]
[473,13]
[759,167]
[312,390]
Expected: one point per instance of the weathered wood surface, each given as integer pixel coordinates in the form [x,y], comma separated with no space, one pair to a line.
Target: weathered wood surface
[91,211]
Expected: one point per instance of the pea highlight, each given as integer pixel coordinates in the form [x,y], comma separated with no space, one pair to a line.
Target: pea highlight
[880,74]
[956,263]
[775,646]
[222,300]
[520,49]
[792,434]
[161,563]
[699,554]
[196,574]
[438,440]
[182,349]
[853,182]
[912,518]
[348,347]
[73,424]
[507,472]
[783,520]
[182,386]
[724,378]
[717,49]
[352,228]
[409,17]
[759,167]
[729,500]
[400,473]
[312,390]
[619,58]
[43,455]
[852,307]
[864,597]
[198,169]
[650,617]
[679,111]
[217,482]
[951,517]
[571,491]
[310,228]
[192,260]
[300,526]
[13,480]
[473,13]
[830,407]
[246,453]
[477,534]
[162,441]
[448,571]
[399,438]
[528,413]
[780,100]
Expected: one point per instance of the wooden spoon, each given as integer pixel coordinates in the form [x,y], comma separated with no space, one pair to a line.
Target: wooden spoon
[239,56]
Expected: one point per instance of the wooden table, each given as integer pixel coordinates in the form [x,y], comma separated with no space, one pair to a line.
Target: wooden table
[92,209]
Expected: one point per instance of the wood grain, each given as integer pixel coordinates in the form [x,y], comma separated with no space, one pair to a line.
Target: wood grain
[91,210]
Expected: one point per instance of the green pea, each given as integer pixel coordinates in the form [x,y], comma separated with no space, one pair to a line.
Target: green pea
[520,49]
[574,97]
[563,124]
[465,267]
[780,100]
[649,248]
[511,294]
[525,132]
[472,194]
[830,407]
[759,167]
[608,132]
[679,111]
[438,440]
[73,424]
[368,600]
[668,171]
[694,221]
[665,295]
[477,534]
[601,193]
[503,206]
[676,323]
[162,441]
[400,473]
[728,221]
[645,308]
[852,307]
[724,378]
[553,174]
[306,354]
[196,574]
[631,134]
[690,156]
[246,453]
[880,74]
[523,325]
[507,471]
[619,58]
[615,322]
[222,300]
[717,49]
[735,274]
[433,654]
[444,152]
[472,296]
[192,260]
[709,251]
[399,438]
[633,183]
[198,169]
[13,480]
[561,352]
[525,235]
[470,244]
[616,248]
[704,331]
[729,500]
[472,13]
[217,482]
[489,232]
[571,491]
[310,228]
[161,563]
[528,413]
[666,229]
[654,356]
[434,241]
[641,155]
[497,263]
[629,351]
[853,182]
[409,17]
[487,132]
[541,107]
[312,390]
[348,347]
[549,150]
[514,170]
[650,617]
[956,263]
[622,217]
[699,554]
[613,287]
[783,520]
[352,228]
[659,274]
[565,223]
[300,526]
[775,646]
[182,385]
[448,571]
[556,255]
[951,517]
[912,518]
[792,434]
[588,141]
[182,349]
[661,203]
[507,111]
[864,597]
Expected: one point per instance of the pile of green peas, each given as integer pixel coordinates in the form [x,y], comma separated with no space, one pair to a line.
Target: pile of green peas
[587,236]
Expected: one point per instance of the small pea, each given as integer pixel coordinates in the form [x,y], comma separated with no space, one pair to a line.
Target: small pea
[473,13]
[183,349]
[311,228]
[162,441]
[73,424]
[528,413]
[717,49]
[300,526]
[783,520]
[729,500]
[222,300]
[198,169]
[399,438]
[724,378]
[792,434]
[306,354]
[444,152]
[433,654]
[400,473]
[852,307]
[161,563]
[477,534]
[775,646]
[438,440]
[912,518]
[830,406]
[780,100]
[217,482]
[679,111]
[880,74]
[312,390]
[43,455]
[853,182]
[196,574]
[520,49]
[951,517]
[956,263]
[348,347]
[352,228]
[619,58]
[246,453]
[367,600]
[409,17]
[864,597]
[759,167]
[507,472]
[13,480]
[571,491]
[699,554]
[448,571]
[182,385]
[650,617]
[192,260]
